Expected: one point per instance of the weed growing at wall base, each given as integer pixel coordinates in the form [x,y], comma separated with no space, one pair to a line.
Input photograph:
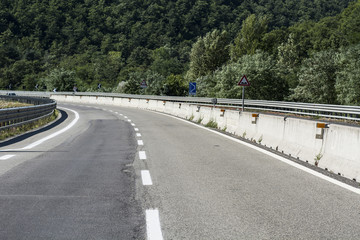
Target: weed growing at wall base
[211,124]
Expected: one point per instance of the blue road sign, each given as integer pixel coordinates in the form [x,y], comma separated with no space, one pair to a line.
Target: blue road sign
[192,88]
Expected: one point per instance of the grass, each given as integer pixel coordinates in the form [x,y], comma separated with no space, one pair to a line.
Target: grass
[211,124]
[14,131]
[6,104]
[191,117]
[199,120]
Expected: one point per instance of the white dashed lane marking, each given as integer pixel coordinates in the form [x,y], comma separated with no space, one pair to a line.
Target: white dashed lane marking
[142,155]
[146,178]
[153,227]
[6,157]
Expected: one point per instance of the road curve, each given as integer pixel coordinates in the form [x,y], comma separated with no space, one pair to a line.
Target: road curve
[103,178]
[77,185]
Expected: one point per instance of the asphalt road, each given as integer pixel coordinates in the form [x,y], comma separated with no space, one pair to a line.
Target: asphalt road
[93,182]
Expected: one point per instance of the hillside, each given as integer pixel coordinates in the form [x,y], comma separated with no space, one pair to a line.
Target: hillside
[59,44]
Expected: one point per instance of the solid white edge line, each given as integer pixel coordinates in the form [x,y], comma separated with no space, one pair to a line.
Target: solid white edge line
[153,227]
[6,157]
[146,178]
[140,142]
[34,144]
[287,161]
[142,155]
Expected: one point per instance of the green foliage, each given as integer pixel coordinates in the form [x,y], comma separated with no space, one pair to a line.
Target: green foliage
[211,124]
[348,76]
[317,79]
[60,79]
[165,61]
[175,85]
[199,120]
[350,23]
[121,43]
[250,37]
[208,54]
[260,70]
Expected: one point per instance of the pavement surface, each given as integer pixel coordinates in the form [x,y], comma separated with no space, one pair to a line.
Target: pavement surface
[99,179]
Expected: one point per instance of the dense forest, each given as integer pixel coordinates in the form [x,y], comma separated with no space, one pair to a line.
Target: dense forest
[293,50]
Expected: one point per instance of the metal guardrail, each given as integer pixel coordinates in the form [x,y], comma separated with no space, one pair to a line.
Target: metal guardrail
[344,112]
[306,109]
[12,117]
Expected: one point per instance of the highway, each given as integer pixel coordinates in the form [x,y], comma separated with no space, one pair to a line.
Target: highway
[108,172]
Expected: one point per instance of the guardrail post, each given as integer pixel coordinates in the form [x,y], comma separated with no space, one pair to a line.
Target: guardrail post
[222,112]
[322,127]
[255,117]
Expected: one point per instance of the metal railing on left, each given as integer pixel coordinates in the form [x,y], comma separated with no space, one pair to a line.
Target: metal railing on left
[13,117]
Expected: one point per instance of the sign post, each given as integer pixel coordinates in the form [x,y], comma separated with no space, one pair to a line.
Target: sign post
[243,82]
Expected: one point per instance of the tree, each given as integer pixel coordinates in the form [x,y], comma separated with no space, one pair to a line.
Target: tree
[289,60]
[175,85]
[60,79]
[317,79]
[208,54]
[250,37]
[165,62]
[154,81]
[348,76]
[350,23]
[260,69]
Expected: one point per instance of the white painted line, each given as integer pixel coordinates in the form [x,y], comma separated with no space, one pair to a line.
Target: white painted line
[142,155]
[125,117]
[138,134]
[5,157]
[116,112]
[133,124]
[140,142]
[153,227]
[129,120]
[287,161]
[136,129]
[121,114]
[34,144]
[146,178]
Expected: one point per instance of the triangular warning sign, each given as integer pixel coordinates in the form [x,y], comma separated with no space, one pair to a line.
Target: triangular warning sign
[143,84]
[244,81]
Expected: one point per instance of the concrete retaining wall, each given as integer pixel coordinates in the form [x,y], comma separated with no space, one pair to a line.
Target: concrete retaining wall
[338,149]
